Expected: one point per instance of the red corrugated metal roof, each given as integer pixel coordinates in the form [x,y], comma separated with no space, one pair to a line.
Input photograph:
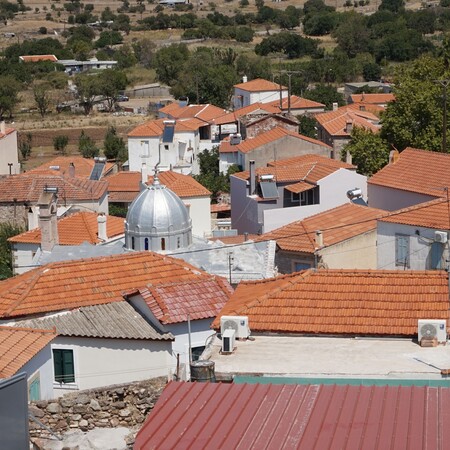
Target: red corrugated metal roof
[257,416]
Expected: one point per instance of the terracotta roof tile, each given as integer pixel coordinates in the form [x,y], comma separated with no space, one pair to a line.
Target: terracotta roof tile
[349,302]
[434,214]
[7,132]
[27,187]
[220,207]
[128,183]
[372,98]
[309,158]
[297,103]
[233,116]
[204,112]
[83,166]
[302,186]
[76,229]
[267,137]
[416,170]
[202,298]
[259,85]
[71,284]
[19,345]
[37,58]
[334,122]
[337,225]
[154,128]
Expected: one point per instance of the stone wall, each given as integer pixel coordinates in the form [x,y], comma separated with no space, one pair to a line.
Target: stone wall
[16,214]
[108,407]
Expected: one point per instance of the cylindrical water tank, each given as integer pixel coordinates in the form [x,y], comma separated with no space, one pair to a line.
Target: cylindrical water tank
[203,371]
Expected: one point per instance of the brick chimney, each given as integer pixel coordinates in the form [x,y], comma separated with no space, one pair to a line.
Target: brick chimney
[47,220]
[71,170]
[101,221]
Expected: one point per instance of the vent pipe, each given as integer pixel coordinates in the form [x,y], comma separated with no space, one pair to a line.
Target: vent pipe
[252,177]
[319,239]
[101,221]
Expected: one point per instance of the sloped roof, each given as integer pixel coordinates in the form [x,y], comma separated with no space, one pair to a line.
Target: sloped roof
[345,302]
[154,128]
[86,282]
[233,116]
[311,158]
[259,85]
[19,345]
[206,112]
[8,131]
[27,187]
[295,416]
[297,103]
[334,122]
[268,137]
[434,214]
[202,298]
[83,166]
[372,98]
[124,183]
[76,229]
[38,58]
[117,320]
[337,225]
[420,171]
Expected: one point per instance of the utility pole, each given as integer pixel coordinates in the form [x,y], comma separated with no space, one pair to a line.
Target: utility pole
[444,84]
[289,73]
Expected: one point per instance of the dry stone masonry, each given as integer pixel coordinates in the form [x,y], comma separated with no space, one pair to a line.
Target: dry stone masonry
[108,407]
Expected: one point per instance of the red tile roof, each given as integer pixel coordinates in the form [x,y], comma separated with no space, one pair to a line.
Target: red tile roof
[154,128]
[233,116]
[273,135]
[297,103]
[259,85]
[204,112]
[72,284]
[220,207]
[76,229]
[7,132]
[377,99]
[434,214]
[311,158]
[19,345]
[416,170]
[38,58]
[267,416]
[344,302]
[83,166]
[128,183]
[202,298]
[337,225]
[334,122]
[27,187]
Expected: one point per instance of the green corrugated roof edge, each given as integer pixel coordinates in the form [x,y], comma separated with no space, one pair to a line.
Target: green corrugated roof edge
[342,381]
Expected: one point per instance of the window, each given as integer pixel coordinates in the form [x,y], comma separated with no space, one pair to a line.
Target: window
[197,352]
[146,243]
[295,197]
[64,367]
[401,250]
[178,242]
[132,243]
[298,266]
[163,244]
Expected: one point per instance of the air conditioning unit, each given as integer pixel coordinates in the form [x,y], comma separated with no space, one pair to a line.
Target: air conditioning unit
[432,328]
[228,341]
[237,323]
[440,236]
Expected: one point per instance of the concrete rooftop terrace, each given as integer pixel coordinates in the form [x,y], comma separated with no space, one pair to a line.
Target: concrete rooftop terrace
[331,357]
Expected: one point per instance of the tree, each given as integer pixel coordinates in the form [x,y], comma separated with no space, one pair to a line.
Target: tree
[369,151]
[25,145]
[394,6]
[88,87]
[307,126]
[353,35]
[60,143]
[114,146]
[111,82]
[325,94]
[86,146]
[169,62]
[108,38]
[9,95]
[415,117]
[7,230]
[42,98]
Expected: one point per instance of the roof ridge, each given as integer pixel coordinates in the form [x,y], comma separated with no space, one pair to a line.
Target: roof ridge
[32,330]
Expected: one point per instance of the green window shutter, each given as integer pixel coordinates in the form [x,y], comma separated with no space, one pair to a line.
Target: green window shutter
[58,365]
[68,366]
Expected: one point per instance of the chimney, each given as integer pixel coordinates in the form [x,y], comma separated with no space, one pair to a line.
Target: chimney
[244,79]
[71,170]
[335,106]
[393,156]
[348,126]
[47,219]
[246,236]
[348,158]
[101,221]
[2,127]
[319,239]
[144,177]
[252,177]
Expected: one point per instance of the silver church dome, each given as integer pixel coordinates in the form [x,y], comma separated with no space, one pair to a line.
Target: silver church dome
[157,220]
